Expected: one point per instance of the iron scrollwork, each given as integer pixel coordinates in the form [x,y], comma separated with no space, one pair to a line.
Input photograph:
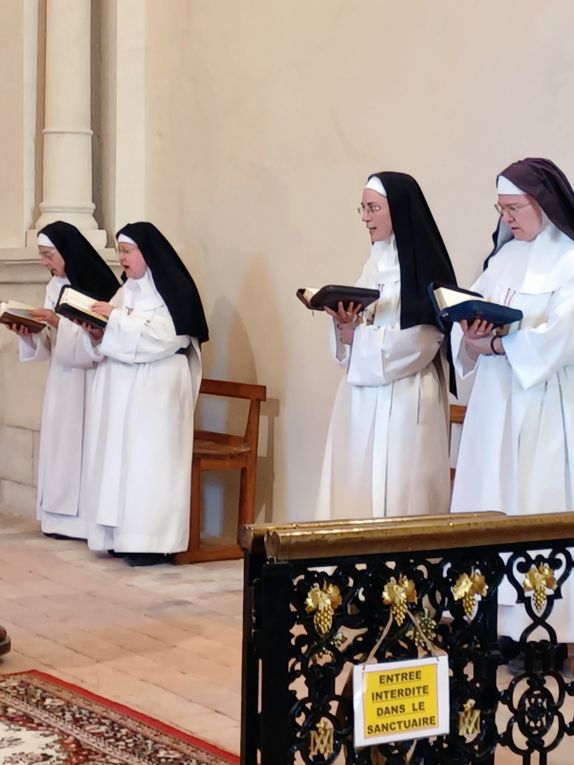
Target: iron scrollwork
[388,607]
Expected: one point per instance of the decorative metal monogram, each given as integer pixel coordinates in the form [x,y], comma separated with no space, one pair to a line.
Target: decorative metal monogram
[321,740]
[469,720]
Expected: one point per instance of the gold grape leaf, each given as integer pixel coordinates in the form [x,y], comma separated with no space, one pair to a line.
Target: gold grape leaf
[397,595]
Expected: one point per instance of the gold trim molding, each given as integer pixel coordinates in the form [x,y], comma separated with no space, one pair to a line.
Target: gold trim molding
[297,541]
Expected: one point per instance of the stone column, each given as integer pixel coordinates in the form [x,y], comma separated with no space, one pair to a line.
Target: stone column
[67,171]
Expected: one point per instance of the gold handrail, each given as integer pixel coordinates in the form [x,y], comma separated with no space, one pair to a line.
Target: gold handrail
[296,541]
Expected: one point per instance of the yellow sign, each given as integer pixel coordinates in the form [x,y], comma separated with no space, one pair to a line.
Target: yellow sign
[400,700]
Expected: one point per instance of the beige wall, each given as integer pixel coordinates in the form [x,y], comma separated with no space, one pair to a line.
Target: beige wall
[276,113]
[253,127]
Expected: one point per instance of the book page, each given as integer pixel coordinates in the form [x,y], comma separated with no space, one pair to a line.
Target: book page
[14,305]
[80,303]
[308,292]
[78,300]
[446,298]
[24,313]
[13,312]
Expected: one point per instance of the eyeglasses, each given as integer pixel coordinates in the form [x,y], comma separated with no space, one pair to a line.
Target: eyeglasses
[509,209]
[370,208]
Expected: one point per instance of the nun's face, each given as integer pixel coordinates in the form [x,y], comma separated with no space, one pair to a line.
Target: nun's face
[52,260]
[131,260]
[376,215]
[522,214]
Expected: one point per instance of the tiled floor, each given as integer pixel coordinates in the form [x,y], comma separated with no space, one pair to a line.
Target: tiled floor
[165,640]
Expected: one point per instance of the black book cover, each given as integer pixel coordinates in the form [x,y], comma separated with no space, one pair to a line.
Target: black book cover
[473,308]
[331,295]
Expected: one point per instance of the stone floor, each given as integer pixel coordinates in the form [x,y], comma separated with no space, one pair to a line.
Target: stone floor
[164,640]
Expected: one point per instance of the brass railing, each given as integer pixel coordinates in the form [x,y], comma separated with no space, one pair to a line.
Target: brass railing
[296,704]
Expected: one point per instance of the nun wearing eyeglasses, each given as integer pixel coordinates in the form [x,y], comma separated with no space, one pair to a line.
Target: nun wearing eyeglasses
[386,452]
[70,259]
[139,438]
[517,445]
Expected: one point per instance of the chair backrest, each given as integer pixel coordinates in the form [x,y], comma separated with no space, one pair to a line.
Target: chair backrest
[255,394]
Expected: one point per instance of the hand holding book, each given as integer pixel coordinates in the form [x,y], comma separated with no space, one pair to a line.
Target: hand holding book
[22,319]
[347,319]
[333,295]
[103,309]
[481,339]
[451,303]
[83,309]
[45,315]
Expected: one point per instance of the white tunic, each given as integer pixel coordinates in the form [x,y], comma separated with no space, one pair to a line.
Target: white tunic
[386,452]
[62,428]
[517,445]
[139,438]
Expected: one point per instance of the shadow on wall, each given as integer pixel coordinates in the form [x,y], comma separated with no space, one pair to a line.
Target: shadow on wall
[230,355]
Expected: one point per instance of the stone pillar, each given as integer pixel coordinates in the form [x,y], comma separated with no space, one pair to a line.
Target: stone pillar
[67,171]
[123,110]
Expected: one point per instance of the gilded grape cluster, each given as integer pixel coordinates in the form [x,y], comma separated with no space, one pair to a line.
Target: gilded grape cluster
[397,595]
[322,602]
[423,630]
[537,581]
[468,588]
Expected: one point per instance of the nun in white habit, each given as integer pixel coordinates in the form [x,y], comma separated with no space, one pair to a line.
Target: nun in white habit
[140,431]
[70,259]
[517,445]
[386,452]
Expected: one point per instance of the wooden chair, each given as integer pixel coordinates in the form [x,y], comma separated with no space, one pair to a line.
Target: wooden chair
[456,417]
[223,451]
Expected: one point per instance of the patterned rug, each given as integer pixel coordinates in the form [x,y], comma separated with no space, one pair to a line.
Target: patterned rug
[46,720]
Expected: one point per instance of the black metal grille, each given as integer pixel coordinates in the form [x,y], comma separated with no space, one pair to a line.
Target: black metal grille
[296,675]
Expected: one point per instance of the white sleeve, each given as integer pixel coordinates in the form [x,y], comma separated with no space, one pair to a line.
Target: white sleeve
[36,347]
[73,347]
[380,355]
[537,353]
[136,338]
[339,350]
[464,363]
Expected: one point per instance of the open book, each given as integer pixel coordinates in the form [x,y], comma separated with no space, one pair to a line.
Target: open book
[331,295]
[76,305]
[12,312]
[452,303]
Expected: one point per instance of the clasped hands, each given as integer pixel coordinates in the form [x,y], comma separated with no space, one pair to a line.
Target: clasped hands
[479,338]
[346,320]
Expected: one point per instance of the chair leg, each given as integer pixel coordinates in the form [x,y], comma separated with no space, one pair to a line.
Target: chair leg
[195,508]
[246,497]
[194,540]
